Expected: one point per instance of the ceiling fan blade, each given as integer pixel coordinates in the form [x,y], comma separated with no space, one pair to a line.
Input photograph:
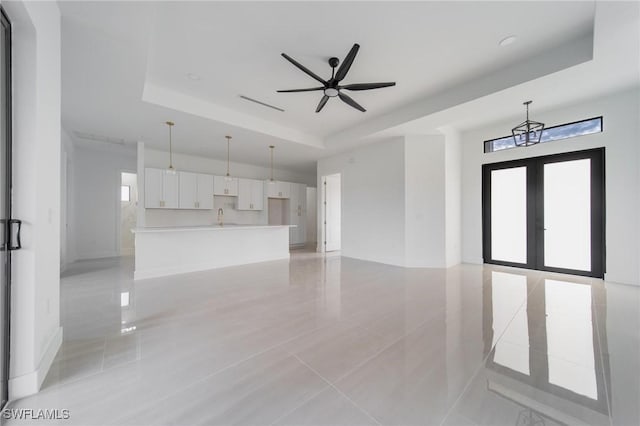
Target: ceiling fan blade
[367,86]
[323,101]
[347,100]
[303,68]
[300,90]
[346,64]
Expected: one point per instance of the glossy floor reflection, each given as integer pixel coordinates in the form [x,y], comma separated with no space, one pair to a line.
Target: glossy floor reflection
[331,340]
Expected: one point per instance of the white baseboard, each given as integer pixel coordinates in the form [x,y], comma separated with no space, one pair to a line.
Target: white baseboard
[29,384]
[612,278]
[97,255]
[183,269]
[383,260]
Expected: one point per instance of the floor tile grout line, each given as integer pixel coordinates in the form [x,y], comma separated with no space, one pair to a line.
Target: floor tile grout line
[228,367]
[286,413]
[65,382]
[484,359]
[601,348]
[339,391]
[361,363]
[77,379]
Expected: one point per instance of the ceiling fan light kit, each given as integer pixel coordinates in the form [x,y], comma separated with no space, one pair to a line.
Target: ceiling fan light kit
[332,88]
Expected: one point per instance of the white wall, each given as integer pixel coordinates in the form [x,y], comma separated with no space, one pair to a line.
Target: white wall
[620,139]
[69,252]
[161,217]
[35,300]
[453,196]
[400,200]
[191,163]
[373,201]
[97,197]
[425,200]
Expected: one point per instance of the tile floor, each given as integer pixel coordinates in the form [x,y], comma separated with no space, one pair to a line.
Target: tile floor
[337,341]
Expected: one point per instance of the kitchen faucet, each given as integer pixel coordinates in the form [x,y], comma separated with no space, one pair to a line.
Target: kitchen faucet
[220,216]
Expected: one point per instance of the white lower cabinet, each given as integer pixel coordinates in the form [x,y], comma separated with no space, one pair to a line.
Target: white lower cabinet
[250,194]
[160,189]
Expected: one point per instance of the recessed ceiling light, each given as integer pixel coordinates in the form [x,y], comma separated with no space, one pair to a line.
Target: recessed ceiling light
[193,77]
[507,40]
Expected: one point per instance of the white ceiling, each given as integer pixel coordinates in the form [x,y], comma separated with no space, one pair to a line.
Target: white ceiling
[113,50]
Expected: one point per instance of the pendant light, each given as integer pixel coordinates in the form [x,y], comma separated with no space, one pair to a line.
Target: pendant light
[228,176]
[528,132]
[170,169]
[271,148]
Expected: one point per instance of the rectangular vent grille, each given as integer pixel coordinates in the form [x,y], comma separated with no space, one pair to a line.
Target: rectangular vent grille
[99,138]
[246,98]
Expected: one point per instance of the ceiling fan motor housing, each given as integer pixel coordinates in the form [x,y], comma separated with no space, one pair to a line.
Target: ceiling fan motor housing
[332,88]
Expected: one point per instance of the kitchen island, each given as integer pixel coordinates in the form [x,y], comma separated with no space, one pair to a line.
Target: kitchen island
[175,250]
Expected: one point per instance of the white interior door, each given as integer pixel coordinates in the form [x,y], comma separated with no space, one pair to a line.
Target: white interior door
[332,198]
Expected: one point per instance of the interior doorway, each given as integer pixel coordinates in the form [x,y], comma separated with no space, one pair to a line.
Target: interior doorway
[312,217]
[546,213]
[128,212]
[332,212]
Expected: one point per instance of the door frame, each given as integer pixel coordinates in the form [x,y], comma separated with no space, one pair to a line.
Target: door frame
[322,241]
[535,210]
[6,320]
[119,208]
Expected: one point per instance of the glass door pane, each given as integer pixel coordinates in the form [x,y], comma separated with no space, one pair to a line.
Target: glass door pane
[567,215]
[509,215]
[5,188]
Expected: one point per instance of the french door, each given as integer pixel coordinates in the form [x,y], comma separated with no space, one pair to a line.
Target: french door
[546,213]
[6,243]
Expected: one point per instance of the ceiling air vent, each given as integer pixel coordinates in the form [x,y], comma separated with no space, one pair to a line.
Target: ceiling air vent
[246,98]
[99,138]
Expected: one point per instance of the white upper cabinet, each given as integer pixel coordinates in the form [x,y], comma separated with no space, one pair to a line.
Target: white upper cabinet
[250,194]
[196,191]
[223,185]
[161,189]
[170,189]
[188,194]
[278,189]
[205,191]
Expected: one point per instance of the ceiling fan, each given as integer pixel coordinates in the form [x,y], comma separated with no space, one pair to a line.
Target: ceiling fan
[332,87]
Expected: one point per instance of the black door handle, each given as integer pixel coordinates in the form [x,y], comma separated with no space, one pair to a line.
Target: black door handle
[10,245]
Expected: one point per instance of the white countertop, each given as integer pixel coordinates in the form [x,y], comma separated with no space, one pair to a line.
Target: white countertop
[225,227]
